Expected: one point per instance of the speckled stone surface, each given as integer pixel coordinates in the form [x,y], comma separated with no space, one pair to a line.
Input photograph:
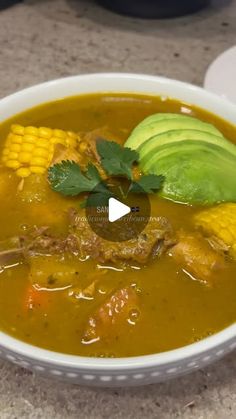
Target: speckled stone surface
[45,39]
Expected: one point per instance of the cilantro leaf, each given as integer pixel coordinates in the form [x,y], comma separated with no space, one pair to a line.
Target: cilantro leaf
[147,184]
[98,199]
[67,178]
[116,160]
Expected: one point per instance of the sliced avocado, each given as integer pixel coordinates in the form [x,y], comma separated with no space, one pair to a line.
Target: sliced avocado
[159,124]
[160,117]
[155,145]
[196,172]
[198,163]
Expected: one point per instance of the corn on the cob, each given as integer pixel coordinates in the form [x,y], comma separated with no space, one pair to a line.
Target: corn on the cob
[220,221]
[30,150]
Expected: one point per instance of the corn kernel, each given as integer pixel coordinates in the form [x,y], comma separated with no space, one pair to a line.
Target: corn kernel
[24,157]
[226,236]
[27,147]
[220,221]
[39,161]
[12,155]
[16,139]
[38,170]
[40,152]
[15,147]
[31,131]
[43,142]
[45,132]
[59,133]
[17,129]
[31,139]
[72,134]
[23,172]
[30,149]
[53,140]
[13,164]
[57,140]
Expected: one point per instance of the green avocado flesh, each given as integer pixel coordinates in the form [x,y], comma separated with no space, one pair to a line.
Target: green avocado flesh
[148,150]
[160,123]
[198,163]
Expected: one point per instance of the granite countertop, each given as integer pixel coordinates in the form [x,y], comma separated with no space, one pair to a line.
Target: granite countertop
[46,39]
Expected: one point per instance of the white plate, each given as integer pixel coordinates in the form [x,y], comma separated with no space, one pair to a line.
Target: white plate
[221,75]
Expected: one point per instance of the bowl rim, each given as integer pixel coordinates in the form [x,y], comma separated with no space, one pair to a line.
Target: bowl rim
[199,92]
[184,353]
[198,349]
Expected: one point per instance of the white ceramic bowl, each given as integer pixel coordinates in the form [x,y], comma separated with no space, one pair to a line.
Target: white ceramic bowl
[119,371]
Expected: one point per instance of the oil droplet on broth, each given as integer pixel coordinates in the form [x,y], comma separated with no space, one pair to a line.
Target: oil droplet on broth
[134,315]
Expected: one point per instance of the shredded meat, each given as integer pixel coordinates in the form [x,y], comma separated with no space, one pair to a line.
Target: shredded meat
[196,256]
[92,137]
[88,154]
[156,238]
[64,153]
[111,313]
[40,241]
[152,242]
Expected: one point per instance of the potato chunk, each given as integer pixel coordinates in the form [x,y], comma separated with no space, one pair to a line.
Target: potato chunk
[52,272]
[194,254]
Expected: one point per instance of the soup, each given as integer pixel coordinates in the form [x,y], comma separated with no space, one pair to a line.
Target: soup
[65,289]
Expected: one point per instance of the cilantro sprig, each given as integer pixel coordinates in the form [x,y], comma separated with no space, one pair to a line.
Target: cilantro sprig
[147,184]
[115,159]
[68,179]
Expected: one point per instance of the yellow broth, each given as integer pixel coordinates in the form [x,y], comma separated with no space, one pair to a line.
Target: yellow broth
[175,310]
